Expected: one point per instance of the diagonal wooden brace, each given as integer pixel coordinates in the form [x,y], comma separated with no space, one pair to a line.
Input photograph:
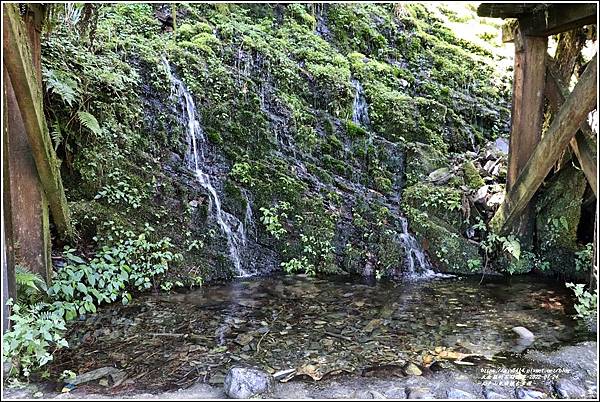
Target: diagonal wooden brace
[570,117]
[583,144]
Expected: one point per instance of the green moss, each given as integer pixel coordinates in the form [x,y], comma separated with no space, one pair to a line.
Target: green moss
[447,249]
[472,177]
[354,130]
[558,212]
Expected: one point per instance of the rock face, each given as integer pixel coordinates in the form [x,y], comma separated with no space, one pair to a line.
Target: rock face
[247,382]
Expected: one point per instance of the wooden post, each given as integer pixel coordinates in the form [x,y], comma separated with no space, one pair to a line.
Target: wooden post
[563,128]
[527,116]
[28,205]
[28,94]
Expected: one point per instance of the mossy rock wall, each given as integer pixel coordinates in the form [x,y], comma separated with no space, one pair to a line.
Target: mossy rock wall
[558,212]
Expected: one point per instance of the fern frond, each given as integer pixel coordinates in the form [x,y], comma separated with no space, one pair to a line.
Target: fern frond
[56,134]
[89,121]
[28,282]
[62,84]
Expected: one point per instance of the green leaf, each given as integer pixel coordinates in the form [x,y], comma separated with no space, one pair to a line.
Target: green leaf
[89,121]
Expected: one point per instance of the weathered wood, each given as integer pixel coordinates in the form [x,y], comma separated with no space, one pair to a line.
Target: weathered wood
[18,62]
[583,144]
[8,255]
[543,19]
[558,17]
[509,30]
[568,49]
[563,128]
[527,114]
[505,10]
[25,196]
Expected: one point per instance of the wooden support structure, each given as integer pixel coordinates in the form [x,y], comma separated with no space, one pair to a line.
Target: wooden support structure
[583,144]
[570,117]
[539,19]
[24,81]
[527,115]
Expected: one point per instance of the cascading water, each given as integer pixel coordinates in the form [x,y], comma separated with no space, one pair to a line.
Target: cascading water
[360,108]
[416,263]
[195,158]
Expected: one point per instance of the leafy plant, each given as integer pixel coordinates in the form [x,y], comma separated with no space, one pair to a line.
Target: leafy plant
[36,333]
[587,303]
[583,258]
[89,121]
[271,219]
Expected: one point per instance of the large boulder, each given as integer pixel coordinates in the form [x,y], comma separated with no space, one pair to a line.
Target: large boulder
[247,382]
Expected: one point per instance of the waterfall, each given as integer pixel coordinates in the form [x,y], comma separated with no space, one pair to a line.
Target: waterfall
[360,108]
[231,226]
[416,264]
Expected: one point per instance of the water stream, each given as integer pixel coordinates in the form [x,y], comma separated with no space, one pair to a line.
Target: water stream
[416,264]
[231,226]
[328,325]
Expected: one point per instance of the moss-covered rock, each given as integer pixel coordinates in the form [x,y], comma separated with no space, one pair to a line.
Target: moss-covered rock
[472,177]
[558,212]
[448,250]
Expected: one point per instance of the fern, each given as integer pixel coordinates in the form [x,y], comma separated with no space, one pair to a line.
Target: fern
[89,121]
[29,284]
[56,134]
[61,84]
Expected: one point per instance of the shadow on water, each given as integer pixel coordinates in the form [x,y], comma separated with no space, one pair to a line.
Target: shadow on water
[332,325]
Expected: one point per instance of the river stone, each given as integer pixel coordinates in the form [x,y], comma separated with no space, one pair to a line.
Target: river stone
[419,393]
[567,389]
[412,369]
[247,382]
[525,393]
[523,333]
[115,374]
[460,394]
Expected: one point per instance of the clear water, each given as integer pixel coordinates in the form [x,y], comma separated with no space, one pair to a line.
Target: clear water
[334,325]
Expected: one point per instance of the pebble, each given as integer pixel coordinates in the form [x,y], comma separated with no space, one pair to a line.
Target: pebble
[412,369]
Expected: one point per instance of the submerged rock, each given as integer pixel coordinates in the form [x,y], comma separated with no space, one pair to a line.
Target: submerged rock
[526,393]
[419,393]
[567,389]
[412,369]
[460,394]
[524,333]
[247,382]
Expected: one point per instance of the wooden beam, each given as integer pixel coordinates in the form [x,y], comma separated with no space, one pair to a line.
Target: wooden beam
[527,114]
[506,10]
[570,117]
[583,144]
[543,19]
[558,17]
[18,62]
